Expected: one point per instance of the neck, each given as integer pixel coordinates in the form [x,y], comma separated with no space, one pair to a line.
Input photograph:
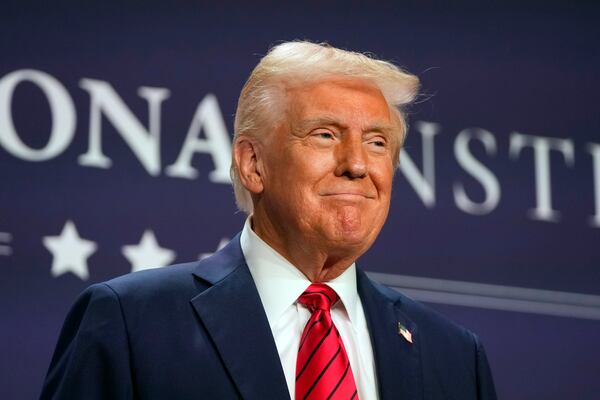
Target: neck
[317,262]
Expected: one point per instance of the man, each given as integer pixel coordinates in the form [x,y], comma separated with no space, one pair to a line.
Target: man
[282,311]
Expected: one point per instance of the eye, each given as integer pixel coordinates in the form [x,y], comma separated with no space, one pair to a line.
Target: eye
[378,142]
[323,138]
[324,135]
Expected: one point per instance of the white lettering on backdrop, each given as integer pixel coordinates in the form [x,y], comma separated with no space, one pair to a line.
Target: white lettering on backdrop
[541,152]
[208,119]
[477,170]
[61,108]
[145,143]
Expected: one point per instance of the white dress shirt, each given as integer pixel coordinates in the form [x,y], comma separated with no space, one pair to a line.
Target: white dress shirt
[280,284]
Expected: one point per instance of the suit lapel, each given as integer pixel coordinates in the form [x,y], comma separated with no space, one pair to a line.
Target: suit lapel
[234,317]
[397,361]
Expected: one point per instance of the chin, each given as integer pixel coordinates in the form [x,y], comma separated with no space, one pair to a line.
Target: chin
[355,239]
[350,227]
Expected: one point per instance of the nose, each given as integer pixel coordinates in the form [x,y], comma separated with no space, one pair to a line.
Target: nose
[352,158]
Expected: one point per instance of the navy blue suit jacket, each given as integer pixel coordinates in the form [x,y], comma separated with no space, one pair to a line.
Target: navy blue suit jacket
[199,331]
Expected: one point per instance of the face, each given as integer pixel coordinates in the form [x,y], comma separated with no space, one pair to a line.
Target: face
[326,172]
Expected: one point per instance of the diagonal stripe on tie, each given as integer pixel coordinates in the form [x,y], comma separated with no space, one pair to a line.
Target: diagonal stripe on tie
[323,370]
[312,354]
[303,339]
[337,385]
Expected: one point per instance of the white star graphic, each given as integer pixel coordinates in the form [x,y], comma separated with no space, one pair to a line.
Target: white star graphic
[147,254]
[69,252]
[221,244]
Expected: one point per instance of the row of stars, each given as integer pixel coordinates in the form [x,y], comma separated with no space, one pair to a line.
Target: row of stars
[70,252]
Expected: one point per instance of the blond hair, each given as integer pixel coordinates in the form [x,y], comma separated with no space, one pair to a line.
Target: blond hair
[262,101]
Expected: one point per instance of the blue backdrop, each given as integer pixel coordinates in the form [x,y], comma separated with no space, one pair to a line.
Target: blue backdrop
[115,127]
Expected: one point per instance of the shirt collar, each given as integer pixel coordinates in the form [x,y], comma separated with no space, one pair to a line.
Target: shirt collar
[280,283]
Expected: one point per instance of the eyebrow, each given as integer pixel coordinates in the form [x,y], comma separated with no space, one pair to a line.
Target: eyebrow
[332,120]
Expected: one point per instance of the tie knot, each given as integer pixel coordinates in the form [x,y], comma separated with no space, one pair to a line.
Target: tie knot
[318,296]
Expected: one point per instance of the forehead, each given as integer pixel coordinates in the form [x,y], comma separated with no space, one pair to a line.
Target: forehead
[349,100]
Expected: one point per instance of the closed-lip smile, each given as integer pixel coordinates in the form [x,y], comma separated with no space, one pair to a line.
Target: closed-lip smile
[348,195]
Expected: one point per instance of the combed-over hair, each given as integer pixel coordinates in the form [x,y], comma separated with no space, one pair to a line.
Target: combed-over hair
[261,105]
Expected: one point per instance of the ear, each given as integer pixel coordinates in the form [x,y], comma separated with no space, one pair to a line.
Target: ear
[246,158]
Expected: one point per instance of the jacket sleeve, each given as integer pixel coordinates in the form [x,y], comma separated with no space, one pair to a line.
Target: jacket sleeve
[485,383]
[91,359]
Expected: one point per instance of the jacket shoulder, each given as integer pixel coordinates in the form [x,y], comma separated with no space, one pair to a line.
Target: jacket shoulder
[426,318]
[453,361]
[156,281]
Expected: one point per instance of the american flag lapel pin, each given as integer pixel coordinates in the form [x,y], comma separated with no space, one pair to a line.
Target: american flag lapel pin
[405,333]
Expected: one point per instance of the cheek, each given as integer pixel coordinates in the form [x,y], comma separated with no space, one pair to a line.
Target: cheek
[383,183]
[383,179]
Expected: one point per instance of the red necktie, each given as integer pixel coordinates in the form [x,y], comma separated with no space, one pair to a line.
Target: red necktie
[322,369]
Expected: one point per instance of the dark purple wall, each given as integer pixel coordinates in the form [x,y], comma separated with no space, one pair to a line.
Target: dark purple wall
[512,71]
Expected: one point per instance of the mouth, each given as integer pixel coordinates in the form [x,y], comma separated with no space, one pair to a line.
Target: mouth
[348,195]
